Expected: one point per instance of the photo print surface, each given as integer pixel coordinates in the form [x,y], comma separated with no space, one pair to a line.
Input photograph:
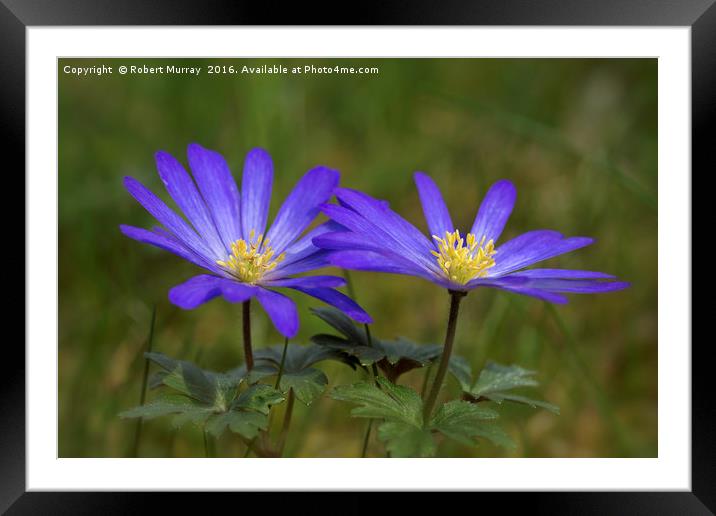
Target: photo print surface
[357,257]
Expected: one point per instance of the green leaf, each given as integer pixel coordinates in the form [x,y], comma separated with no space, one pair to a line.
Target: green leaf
[258,372]
[353,353]
[196,416]
[341,322]
[495,378]
[403,430]
[244,423]
[461,370]
[186,378]
[298,357]
[402,355]
[393,357]
[404,440]
[402,349]
[500,397]
[496,381]
[163,405]
[258,398]
[390,402]
[248,413]
[462,421]
[209,399]
[307,382]
[401,410]
[494,433]
[307,385]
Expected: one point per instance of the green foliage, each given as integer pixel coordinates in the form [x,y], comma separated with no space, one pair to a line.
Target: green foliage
[403,440]
[496,381]
[248,413]
[495,378]
[344,324]
[393,357]
[307,382]
[164,405]
[203,386]
[207,398]
[404,431]
[385,401]
[461,370]
[463,422]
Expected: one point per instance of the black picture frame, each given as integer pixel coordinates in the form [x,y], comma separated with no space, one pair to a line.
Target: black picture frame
[17,15]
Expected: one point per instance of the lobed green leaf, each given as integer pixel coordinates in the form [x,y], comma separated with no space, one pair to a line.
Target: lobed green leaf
[389,401]
[404,440]
[500,397]
[307,385]
[163,405]
[495,378]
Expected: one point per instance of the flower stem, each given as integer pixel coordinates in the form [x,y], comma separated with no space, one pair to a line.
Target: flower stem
[283,362]
[424,388]
[143,393]
[455,298]
[286,422]
[366,439]
[208,445]
[370,345]
[374,375]
[248,353]
[289,405]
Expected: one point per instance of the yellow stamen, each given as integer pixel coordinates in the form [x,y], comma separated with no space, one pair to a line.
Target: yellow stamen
[463,260]
[249,261]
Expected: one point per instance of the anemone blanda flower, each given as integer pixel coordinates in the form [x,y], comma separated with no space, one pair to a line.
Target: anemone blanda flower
[381,240]
[225,234]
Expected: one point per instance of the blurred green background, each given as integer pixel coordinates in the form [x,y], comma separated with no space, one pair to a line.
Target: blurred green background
[577,137]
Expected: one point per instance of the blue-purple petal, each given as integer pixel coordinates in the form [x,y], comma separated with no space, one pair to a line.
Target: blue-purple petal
[373,248]
[307,282]
[372,261]
[344,303]
[507,281]
[281,310]
[219,190]
[578,286]
[308,263]
[545,287]
[304,246]
[369,229]
[166,241]
[533,247]
[301,206]
[436,213]
[494,211]
[561,274]
[167,217]
[349,240]
[181,188]
[256,186]
[544,295]
[408,238]
[200,289]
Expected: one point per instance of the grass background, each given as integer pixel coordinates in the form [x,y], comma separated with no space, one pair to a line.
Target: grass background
[577,137]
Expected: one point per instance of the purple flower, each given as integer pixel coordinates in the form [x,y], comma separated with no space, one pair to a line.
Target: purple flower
[225,234]
[381,240]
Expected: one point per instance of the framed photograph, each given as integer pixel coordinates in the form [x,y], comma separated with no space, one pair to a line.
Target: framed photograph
[449,252]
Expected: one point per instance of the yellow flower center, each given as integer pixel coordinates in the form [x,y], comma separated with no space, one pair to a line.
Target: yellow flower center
[463,260]
[249,261]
